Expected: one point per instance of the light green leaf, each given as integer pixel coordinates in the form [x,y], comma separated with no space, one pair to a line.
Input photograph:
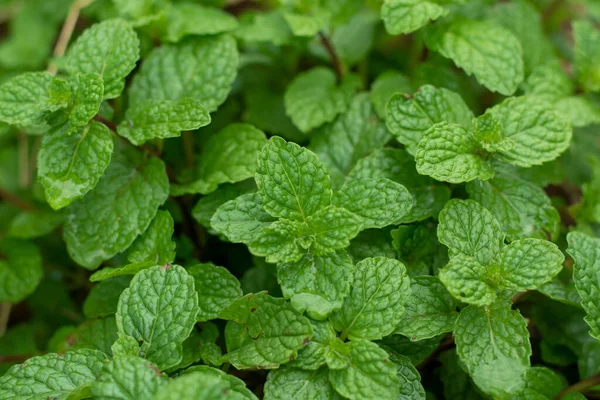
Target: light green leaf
[103,298]
[195,19]
[406,16]
[539,133]
[205,383]
[467,280]
[523,209]
[109,49]
[292,181]
[217,288]
[240,220]
[155,245]
[386,85]
[370,375]
[127,184]
[587,55]
[548,81]
[88,92]
[159,310]
[162,119]
[487,131]
[314,98]
[377,300]
[274,331]
[449,152]
[128,378]
[430,310]
[307,24]
[541,383]
[331,228]
[25,99]
[378,202]
[207,206]
[129,269]
[408,375]
[317,284]
[96,334]
[51,375]
[482,48]
[353,135]
[202,69]
[581,110]
[466,227]
[280,242]
[291,383]
[429,196]
[20,269]
[125,346]
[408,118]
[493,343]
[265,26]
[528,263]
[585,250]
[70,165]
[34,224]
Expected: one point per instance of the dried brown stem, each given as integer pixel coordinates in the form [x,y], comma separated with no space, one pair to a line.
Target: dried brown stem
[335,60]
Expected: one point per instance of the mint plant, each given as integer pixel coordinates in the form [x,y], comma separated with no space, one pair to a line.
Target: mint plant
[299,199]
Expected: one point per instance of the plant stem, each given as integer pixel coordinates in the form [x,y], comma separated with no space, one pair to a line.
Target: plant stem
[188,148]
[16,201]
[335,60]
[23,160]
[67,31]
[580,386]
[4,316]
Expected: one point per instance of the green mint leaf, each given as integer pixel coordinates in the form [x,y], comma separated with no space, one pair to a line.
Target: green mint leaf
[159,310]
[430,310]
[482,48]
[25,99]
[378,202]
[467,280]
[449,152]
[208,205]
[376,301]
[299,384]
[241,219]
[128,378]
[587,55]
[468,228]
[418,248]
[280,242]
[317,284]
[155,244]
[34,224]
[408,375]
[20,269]
[162,119]
[584,250]
[528,263]
[307,25]
[493,343]
[371,373]
[406,16]
[202,69]
[429,196]
[372,243]
[539,134]
[314,98]
[487,131]
[216,288]
[273,331]
[292,182]
[125,186]
[186,19]
[88,92]
[415,351]
[548,81]
[386,85]
[64,167]
[408,118]
[353,135]
[109,49]
[204,383]
[97,334]
[269,26]
[313,356]
[457,383]
[541,382]
[522,208]
[581,110]
[125,346]
[128,269]
[560,291]
[329,229]
[103,298]
[52,375]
